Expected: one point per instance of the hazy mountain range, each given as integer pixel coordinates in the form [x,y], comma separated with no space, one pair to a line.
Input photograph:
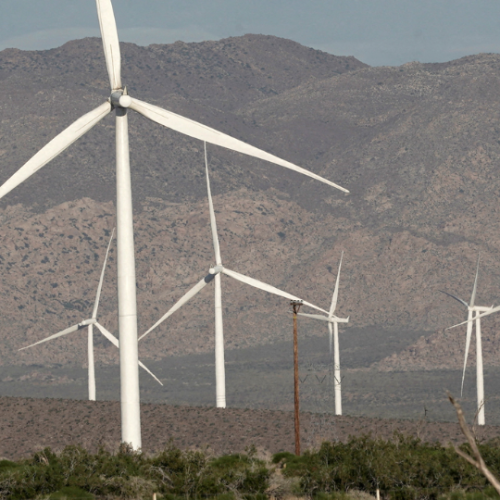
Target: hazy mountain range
[417,145]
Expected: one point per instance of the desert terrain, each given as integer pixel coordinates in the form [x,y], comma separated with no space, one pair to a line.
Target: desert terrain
[417,145]
[32,424]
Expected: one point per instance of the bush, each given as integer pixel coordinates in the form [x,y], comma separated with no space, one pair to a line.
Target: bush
[75,472]
[282,455]
[7,465]
[402,468]
[71,492]
[489,493]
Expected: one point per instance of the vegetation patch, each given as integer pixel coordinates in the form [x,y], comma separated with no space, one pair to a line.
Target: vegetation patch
[403,468]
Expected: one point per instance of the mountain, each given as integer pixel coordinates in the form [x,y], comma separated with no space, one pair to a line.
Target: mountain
[417,145]
[42,92]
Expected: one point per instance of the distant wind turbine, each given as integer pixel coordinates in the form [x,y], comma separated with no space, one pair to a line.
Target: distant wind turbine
[473,314]
[89,323]
[215,274]
[333,320]
[121,102]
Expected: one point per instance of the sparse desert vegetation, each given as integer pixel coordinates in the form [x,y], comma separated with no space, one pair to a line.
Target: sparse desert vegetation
[401,468]
[28,425]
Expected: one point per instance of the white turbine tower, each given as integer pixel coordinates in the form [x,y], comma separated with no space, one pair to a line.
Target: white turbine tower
[215,274]
[333,320]
[89,323]
[474,314]
[120,101]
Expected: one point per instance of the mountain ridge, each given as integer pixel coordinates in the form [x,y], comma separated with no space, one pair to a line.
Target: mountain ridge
[417,145]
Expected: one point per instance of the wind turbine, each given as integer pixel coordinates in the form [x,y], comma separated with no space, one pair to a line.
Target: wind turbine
[215,275]
[89,323]
[333,320]
[474,314]
[121,102]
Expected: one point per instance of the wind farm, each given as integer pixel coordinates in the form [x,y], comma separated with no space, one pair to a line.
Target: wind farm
[410,227]
[121,101]
[89,323]
[215,275]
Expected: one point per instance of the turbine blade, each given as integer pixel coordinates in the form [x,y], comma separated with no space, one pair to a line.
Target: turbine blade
[467,346]
[473,296]
[336,291]
[71,329]
[267,288]
[455,297]
[204,133]
[110,42]
[108,335]
[55,147]
[144,367]
[116,343]
[213,222]
[185,298]
[99,288]
[486,313]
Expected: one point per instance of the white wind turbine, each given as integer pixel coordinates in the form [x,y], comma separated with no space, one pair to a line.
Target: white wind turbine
[120,101]
[474,314]
[215,274]
[333,320]
[89,323]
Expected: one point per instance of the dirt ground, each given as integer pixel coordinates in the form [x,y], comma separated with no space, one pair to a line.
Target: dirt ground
[29,424]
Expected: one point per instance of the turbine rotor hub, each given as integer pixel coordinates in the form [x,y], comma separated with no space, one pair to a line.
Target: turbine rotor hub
[120,99]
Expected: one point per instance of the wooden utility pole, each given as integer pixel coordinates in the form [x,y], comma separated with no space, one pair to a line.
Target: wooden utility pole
[296,306]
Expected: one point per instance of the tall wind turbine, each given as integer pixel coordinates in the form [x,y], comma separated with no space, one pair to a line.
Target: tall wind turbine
[215,275]
[333,320]
[474,314]
[121,102]
[89,323]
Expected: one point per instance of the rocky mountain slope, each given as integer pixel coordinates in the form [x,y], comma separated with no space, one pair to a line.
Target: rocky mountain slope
[417,145]
[42,92]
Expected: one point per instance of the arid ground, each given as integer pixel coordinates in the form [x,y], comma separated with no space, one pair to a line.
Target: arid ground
[30,424]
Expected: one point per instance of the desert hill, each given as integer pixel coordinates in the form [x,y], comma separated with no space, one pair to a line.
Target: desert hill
[59,423]
[45,91]
[417,145]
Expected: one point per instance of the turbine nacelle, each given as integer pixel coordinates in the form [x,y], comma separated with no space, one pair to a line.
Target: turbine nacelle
[87,322]
[328,319]
[335,319]
[480,308]
[216,270]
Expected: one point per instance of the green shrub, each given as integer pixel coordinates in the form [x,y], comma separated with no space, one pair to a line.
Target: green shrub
[336,495]
[226,496]
[489,493]
[70,493]
[282,455]
[402,468]
[6,465]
